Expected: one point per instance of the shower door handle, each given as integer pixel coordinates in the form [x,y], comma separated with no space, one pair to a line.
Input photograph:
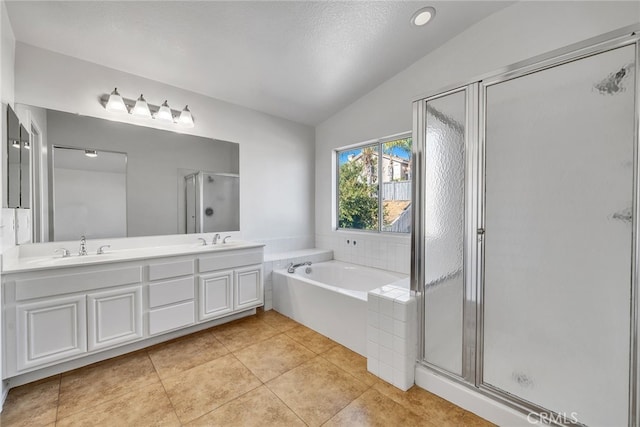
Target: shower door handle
[480,233]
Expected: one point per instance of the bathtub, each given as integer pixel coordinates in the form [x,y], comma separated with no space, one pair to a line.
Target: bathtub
[332,298]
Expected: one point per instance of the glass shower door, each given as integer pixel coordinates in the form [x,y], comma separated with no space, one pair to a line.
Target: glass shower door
[445,120]
[559,171]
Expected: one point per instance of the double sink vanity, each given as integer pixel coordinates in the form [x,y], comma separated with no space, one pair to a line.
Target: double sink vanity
[63,312]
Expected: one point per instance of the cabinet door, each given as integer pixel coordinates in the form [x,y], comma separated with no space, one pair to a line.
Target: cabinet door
[216,295]
[248,287]
[49,331]
[114,317]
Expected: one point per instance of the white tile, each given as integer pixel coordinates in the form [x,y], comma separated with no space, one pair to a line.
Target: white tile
[403,297]
[385,339]
[386,307]
[385,323]
[267,267]
[400,311]
[385,372]
[401,380]
[372,334]
[385,355]
[373,301]
[409,379]
[403,363]
[400,346]
[400,329]
[372,366]
[373,350]
[268,285]
[373,319]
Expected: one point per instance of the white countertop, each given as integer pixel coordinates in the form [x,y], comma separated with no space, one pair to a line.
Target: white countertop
[18,262]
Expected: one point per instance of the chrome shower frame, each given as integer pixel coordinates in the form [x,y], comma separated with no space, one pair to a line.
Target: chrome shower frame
[473,305]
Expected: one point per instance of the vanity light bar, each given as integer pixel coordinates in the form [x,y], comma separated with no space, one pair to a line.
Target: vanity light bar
[114,102]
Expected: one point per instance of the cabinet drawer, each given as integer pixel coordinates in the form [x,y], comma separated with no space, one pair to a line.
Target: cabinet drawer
[171,291]
[76,282]
[230,260]
[172,317]
[167,270]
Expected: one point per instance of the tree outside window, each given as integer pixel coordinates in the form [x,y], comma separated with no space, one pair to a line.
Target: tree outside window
[373,185]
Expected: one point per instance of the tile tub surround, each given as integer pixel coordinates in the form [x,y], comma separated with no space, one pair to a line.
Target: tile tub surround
[386,251]
[274,261]
[392,327]
[288,375]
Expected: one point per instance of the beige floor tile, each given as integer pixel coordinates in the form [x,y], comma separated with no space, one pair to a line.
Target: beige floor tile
[186,353]
[351,362]
[95,384]
[148,406]
[244,335]
[427,405]
[32,404]
[259,407]
[240,325]
[311,339]
[273,356]
[278,321]
[206,387]
[316,390]
[375,409]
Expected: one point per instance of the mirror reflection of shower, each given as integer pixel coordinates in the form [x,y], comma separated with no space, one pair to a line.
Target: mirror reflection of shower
[211,202]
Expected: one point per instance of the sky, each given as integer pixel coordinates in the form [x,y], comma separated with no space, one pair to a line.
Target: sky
[396,151]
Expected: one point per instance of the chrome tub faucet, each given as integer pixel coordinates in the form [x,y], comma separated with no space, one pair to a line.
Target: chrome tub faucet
[292,267]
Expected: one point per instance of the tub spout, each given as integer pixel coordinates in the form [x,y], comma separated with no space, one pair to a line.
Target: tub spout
[291,268]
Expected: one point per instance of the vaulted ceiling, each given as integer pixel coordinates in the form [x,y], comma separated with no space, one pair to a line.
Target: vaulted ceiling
[300,60]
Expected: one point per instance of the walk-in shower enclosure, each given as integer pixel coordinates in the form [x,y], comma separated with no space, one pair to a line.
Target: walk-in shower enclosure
[212,202]
[525,249]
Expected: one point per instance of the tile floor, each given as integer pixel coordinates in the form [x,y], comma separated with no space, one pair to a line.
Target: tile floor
[261,370]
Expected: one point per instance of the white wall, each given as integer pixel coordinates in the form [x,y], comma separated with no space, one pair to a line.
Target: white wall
[276,155]
[513,34]
[7,52]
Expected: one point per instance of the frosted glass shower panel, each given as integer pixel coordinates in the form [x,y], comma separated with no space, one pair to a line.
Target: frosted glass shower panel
[444,230]
[220,202]
[557,272]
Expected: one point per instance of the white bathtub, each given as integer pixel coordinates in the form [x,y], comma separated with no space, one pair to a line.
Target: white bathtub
[332,298]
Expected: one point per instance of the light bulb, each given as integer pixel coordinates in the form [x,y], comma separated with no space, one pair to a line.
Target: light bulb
[185,120]
[422,16]
[164,113]
[116,103]
[91,153]
[141,109]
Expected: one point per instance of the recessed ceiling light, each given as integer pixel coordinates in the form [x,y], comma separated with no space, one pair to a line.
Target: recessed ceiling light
[422,16]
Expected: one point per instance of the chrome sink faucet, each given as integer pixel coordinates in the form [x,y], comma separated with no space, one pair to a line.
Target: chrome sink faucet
[225,239]
[83,246]
[101,249]
[216,238]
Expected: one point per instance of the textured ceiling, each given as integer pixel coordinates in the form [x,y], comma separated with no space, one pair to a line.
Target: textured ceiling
[301,60]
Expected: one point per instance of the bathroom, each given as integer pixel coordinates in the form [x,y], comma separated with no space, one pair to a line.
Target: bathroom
[287,137]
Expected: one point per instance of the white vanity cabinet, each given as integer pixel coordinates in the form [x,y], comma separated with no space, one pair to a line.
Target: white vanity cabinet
[229,283]
[114,317]
[57,315]
[171,295]
[50,330]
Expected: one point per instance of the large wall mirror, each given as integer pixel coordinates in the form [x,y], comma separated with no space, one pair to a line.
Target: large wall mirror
[104,179]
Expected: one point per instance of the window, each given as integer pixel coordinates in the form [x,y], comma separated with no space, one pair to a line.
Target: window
[374,186]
